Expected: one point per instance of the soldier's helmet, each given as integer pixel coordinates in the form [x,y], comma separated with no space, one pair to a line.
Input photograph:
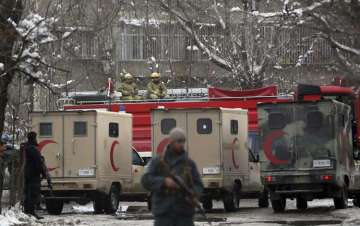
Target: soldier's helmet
[128,76]
[154,75]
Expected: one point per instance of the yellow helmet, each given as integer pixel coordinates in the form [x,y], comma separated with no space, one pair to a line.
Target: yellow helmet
[155,75]
[128,76]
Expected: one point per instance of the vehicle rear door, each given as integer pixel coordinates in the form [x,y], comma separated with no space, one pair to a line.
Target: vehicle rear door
[163,122]
[80,144]
[204,146]
[50,138]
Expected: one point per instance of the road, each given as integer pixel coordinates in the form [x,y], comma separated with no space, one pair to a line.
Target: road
[320,212]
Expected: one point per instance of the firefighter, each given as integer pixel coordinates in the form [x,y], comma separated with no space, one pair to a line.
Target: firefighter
[128,88]
[33,172]
[156,89]
[170,206]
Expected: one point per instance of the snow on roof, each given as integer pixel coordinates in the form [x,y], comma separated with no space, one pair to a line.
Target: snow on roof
[235,9]
[140,22]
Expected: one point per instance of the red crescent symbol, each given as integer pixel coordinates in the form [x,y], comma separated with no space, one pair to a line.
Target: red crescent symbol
[112,156]
[268,147]
[41,146]
[161,147]
[233,153]
[43,143]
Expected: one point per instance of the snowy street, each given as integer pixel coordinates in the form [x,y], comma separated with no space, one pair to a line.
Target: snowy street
[320,212]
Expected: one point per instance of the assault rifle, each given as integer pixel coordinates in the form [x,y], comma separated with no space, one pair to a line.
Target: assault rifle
[190,195]
[46,175]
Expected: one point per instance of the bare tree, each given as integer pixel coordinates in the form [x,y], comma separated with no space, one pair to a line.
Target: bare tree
[243,43]
[335,21]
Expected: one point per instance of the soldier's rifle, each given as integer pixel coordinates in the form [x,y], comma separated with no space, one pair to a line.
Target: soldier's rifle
[190,195]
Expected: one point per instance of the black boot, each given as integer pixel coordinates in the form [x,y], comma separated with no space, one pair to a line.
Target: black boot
[37,216]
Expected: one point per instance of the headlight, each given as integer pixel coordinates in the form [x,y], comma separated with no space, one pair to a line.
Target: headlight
[211,170]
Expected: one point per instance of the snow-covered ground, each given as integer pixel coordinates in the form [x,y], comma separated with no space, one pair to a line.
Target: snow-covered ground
[320,212]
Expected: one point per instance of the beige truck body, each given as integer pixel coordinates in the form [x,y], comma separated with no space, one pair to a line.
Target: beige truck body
[86,152]
[217,142]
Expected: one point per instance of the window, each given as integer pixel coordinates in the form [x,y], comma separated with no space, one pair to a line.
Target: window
[136,159]
[113,129]
[167,125]
[342,121]
[80,128]
[314,119]
[276,121]
[204,126]
[234,127]
[45,129]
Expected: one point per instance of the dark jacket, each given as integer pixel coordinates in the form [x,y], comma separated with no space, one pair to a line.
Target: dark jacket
[167,202]
[33,164]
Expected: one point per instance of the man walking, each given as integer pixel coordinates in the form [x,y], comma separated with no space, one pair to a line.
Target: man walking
[33,172]
[170,206]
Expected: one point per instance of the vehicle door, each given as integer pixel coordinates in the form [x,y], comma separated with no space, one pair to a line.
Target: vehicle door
[80,145]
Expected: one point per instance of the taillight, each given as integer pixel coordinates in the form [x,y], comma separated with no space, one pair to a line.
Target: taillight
[269,179]
[326,177]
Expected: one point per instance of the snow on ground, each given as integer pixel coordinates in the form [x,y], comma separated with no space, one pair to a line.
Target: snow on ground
[320,212]
[15,216]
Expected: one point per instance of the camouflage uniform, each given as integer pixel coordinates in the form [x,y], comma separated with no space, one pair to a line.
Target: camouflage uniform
[171,208]
[129,91]
[156,89]
[128,88]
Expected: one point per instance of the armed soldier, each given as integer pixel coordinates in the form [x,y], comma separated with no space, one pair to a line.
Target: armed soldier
[156,89]
[171,204]
[128,88]
[33,171]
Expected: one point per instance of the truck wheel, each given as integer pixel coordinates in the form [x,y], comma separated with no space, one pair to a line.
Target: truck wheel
[341,202]
[229,201]
[263,201]
[301,204]
[112,200]
[356,202]
[278,205]
[54,207]
[207,204]
[99,204]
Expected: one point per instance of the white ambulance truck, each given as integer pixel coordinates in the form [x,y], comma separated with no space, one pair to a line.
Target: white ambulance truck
[89,156]
[217,142]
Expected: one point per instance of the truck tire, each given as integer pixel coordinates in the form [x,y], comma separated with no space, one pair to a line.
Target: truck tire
[229,202]
[112,200]
[54,207]
[278,205]
[301,204]
[341,202]
[263,201]
[207,204]
[356,202]
[99,204]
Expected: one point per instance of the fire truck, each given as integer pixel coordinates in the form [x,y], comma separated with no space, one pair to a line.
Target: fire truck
[214,98]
